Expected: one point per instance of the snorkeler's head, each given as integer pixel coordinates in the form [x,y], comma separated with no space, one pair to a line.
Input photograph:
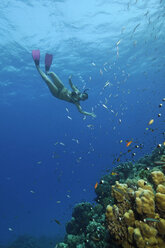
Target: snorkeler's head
[83,96]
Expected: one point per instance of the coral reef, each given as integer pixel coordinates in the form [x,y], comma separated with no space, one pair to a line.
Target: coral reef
[129,210]
[143,224]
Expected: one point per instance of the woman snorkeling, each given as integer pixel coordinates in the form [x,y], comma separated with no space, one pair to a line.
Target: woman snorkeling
[55,85]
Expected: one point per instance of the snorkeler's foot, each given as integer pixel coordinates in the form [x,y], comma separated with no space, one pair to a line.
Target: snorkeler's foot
[48,61]
[36,56]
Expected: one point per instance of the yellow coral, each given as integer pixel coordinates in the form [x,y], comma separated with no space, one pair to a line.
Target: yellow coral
[119,191]
[161,243]
[138,238]
[151,242]
[130,234]
[147,235]
[145,203]
[143,225]
[143,184]
[160,189]
[158,177]
[109,212]
[160,201]
[161,227]
[129,218]
[146,230]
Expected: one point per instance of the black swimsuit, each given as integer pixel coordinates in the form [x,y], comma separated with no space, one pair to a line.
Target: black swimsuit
[75,97]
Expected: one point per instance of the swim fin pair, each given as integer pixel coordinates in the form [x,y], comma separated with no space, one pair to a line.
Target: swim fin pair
[48,59]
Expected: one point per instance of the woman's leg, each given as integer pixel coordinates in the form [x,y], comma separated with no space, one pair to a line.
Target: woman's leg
[52,87]
[57,82]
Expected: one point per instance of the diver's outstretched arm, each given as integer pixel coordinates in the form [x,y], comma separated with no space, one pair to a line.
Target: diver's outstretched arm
[84,112]
[74,88]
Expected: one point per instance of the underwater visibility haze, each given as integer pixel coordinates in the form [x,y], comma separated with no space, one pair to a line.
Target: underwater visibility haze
[52,156]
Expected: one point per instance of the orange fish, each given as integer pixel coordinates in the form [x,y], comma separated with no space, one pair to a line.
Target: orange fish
[128,143]
[114,173]
[96,184]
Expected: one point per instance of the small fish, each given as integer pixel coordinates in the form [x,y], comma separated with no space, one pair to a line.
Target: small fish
[10,229]
[70,118]
[58,202]
[101,72]
[121,141]
[39,162]
[32,191]
[151,122]
[90,126]
[76,140]
[151,220]
[159,162]
[104,106]
[164,143]
[96,185]
[114,173]
[118,43]
[136,27]
[106,84]
[128,143]
[57,221]
[61,143]
[93,64]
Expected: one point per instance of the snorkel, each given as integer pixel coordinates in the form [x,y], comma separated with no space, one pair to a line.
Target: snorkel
[84,95]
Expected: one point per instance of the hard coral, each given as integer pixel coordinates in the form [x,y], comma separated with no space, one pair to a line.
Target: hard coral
[160,201]
[158,177]
[138,217]
[129,218]
[119,191]
[145,203]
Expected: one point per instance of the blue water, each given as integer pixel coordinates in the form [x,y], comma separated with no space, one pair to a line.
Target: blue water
[94,41]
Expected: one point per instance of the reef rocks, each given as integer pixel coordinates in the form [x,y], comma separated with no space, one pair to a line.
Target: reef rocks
[129,210]
[143,224]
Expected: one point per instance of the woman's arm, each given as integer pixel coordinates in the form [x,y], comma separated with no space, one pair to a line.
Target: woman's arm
[84,112]
[74,88]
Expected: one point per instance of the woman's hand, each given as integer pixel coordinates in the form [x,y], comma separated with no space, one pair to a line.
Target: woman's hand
[93,115]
